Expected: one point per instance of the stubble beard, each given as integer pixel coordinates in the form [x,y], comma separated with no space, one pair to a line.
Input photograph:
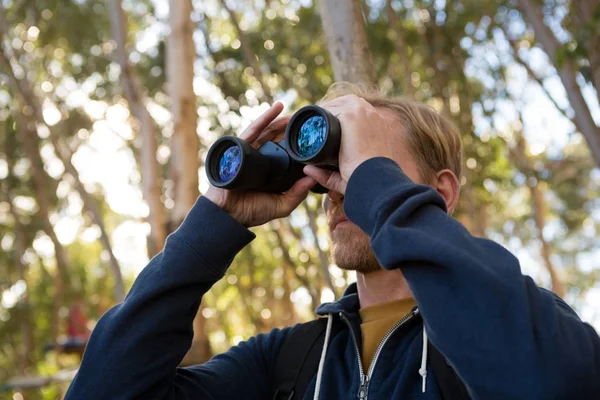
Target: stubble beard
[351,249]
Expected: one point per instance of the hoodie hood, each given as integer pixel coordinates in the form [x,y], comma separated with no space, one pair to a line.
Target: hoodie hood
[349,303]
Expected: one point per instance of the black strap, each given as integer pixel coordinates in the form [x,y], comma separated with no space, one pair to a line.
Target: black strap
[298,362]
[298,359]
[451,386]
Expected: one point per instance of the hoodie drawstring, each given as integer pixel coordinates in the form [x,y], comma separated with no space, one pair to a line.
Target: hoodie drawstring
[423,369]
[323,354]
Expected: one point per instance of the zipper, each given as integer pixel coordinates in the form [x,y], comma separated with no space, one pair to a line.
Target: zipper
[364,379]
[363,390]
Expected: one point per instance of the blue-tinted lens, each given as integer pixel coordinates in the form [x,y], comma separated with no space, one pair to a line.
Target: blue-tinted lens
[229,164]
[311,136]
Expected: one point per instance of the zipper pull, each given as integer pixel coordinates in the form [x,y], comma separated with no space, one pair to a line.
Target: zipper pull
[364,388]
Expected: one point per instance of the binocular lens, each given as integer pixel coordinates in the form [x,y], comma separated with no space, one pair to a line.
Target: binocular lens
[229,163]
[311,136]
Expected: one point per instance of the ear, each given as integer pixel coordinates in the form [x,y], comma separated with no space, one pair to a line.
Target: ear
[448,186]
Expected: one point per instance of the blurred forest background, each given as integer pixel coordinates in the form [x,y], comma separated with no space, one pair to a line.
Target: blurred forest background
[107,109]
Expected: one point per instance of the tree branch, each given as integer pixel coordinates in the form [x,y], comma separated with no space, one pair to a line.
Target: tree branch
[249,55]
[585,123]
[151,177]
[533,75]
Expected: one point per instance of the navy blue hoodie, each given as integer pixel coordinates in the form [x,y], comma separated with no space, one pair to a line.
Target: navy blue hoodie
[505,337]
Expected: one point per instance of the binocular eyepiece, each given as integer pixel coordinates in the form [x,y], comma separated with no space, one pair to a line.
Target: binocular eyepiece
[312,136]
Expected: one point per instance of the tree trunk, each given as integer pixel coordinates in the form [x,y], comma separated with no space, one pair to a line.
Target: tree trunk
[349,51]
[532,13]
[539,207]
[185,143]
[132,90]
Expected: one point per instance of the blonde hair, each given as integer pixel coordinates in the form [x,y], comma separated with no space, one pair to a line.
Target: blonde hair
[433,139]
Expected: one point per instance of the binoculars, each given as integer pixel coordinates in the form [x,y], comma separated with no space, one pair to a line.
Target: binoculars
[312,136]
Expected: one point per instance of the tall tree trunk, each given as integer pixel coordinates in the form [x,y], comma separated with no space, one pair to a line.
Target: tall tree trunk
[532,13]
[349,51]
[185,143]
[132,90]
[28,97]
[539,208]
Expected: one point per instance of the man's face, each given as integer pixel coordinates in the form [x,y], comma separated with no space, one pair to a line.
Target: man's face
[351,248]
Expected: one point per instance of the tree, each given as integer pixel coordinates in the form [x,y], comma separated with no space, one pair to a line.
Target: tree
[184,142]
[132,90]
[566,64]
[347,41]
[29,99]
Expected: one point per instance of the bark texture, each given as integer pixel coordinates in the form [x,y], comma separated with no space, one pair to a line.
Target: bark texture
[347,41]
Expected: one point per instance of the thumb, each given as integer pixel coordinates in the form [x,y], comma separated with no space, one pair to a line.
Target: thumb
[330,179]
[294,196]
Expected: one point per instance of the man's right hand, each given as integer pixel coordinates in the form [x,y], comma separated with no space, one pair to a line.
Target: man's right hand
[257,208]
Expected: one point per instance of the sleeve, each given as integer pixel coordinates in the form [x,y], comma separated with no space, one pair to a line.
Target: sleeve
[505,337]
[135,349]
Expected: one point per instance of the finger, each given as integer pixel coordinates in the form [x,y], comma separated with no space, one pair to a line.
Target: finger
[294,196]
[253,131]
[329,179]
[273,132]
[336,109]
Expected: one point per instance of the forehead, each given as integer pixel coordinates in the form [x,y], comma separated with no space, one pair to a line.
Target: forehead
[395,124]
[393,117]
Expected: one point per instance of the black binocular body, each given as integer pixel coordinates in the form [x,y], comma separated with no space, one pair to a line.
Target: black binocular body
[312,136]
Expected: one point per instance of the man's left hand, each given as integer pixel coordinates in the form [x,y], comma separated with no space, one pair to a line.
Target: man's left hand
[367,132]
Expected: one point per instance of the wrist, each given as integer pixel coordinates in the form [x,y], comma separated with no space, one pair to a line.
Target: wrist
[213,233]
[218,198]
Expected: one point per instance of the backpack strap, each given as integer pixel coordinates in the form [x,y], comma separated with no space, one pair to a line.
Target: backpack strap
[451,386]
[298,359]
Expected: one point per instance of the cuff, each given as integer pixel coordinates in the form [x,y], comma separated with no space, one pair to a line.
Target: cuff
[214,235]
[373,180]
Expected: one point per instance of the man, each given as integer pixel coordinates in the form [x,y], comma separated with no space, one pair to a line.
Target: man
[388,210]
